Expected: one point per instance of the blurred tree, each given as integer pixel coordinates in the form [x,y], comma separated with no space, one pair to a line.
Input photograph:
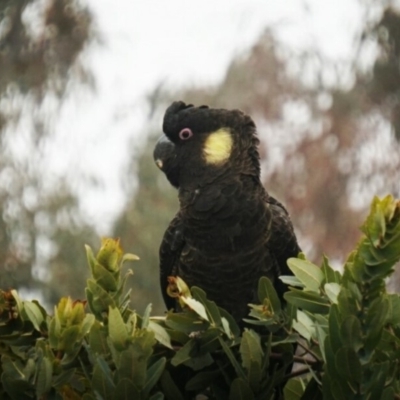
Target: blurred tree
[328,146]
[41,233]
[384,81]
[142,225]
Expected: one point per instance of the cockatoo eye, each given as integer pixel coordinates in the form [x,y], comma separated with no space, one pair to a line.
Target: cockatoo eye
[185,134]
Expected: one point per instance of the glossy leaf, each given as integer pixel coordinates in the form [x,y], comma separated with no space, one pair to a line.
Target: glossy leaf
[212,309]
[196,306]
[160,334]
[308,273]
[291,281]
[117,329]
[332,290]
[34,314]
[308,301]
[304,325]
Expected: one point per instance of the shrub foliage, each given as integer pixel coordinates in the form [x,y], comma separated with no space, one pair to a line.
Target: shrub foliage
[336,337]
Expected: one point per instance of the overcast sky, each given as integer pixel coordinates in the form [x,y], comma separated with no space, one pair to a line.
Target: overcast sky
[177,42]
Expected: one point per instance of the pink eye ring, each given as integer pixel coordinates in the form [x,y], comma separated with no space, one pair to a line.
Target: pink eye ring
[185,134]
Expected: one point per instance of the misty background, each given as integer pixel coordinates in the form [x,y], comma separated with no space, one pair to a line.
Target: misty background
[83,88]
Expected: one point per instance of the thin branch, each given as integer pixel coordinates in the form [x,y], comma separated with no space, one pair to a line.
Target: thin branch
[309,351]
[293,374]
[298,359]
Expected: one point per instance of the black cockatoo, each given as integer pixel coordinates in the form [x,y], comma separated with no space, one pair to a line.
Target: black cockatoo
[228,231]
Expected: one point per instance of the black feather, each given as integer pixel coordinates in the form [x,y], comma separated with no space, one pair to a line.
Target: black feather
[228,232]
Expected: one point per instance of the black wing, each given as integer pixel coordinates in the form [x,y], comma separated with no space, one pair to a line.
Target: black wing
[282,241]
[170,251]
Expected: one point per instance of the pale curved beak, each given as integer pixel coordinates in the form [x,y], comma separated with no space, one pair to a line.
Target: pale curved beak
[163,151]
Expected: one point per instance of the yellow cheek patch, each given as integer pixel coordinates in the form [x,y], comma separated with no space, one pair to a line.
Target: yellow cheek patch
[218,146]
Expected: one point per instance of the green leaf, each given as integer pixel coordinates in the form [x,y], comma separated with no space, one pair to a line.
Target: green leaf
[186,322]
[44,377]
[378,379]
[90,257]
[348,366]
[332,290]
[334,328]
[87,396]
[202,380]
[18,300]
[304,325]
[126,390]
[129,257]
[33,313]
[308,301]
[233,326]
[393,316]
[160,333]
[212,309]
[169,387]
[250,348]
[307,273]
[191,355]
[254,376]
[98,339]
[348,302]
[266,290]
[153,375]
[338,389]
[294,389]
[117,329]
[70,339]
[240,390]
[321,336]
[238,369]
[17,389]
[104,278]
[375,321]
[291,281]
[98,299]
[350,333]
[208,342]
[388,394]
[330,275]
[312,391]
[146,316]
[102,380]
[185,353]
[133,364]
[200,361]
[87,324]
[64,378]
[374,226]
[196,306]
[157,396]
